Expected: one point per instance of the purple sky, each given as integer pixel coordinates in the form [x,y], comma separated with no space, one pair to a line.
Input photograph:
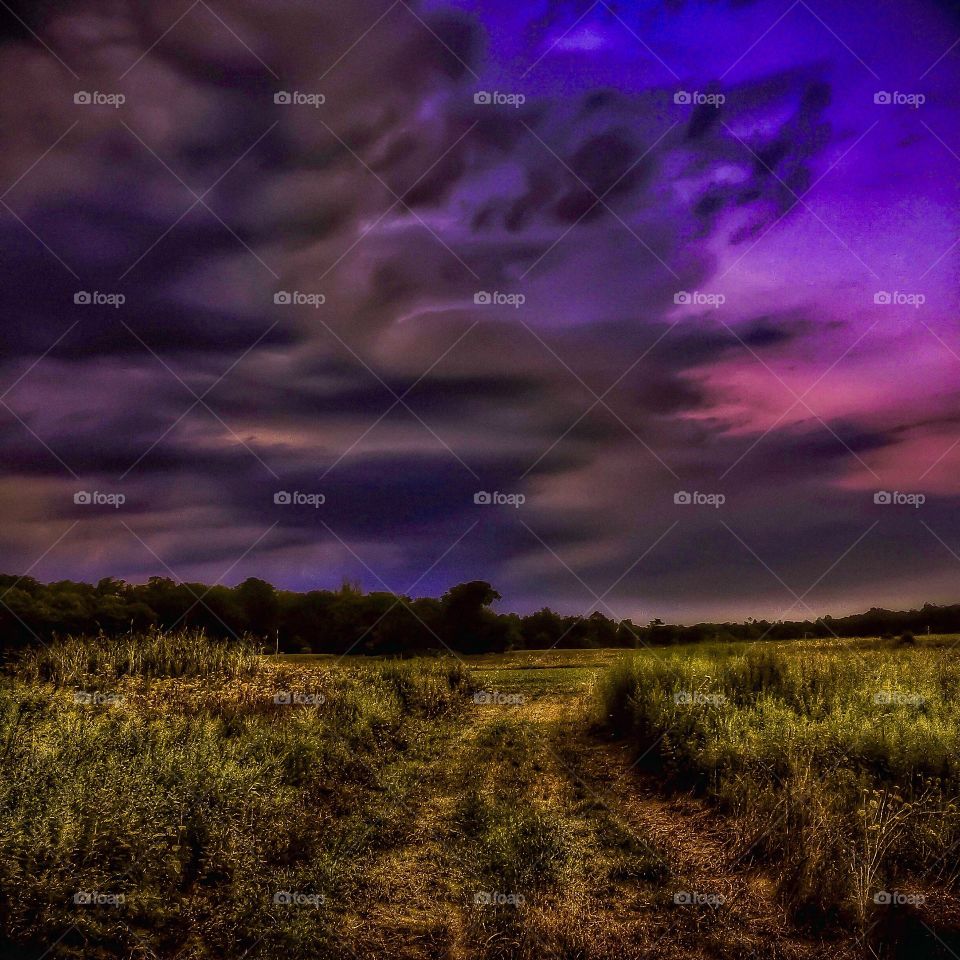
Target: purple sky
[690,216]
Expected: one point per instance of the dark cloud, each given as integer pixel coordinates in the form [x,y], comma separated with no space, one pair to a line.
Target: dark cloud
[399,200]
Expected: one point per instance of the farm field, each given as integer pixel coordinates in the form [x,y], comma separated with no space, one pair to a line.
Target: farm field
[173,797]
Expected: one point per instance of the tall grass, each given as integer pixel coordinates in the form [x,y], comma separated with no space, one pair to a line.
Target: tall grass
[840,764]
[199,816]
[182,653]
[428,687]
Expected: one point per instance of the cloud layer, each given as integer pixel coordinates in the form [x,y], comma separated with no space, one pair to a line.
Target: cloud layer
[595,256]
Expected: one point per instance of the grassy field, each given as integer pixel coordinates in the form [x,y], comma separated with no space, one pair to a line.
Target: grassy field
[167,797]
[838,761]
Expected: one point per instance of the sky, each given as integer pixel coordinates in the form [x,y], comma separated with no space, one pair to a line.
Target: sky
[647,308]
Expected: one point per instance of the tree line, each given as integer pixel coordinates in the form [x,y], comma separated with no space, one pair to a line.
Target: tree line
[350,620]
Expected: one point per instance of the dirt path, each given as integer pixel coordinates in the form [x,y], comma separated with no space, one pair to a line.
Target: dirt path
[602,913]
[420,874]
[748,919]
[731,911]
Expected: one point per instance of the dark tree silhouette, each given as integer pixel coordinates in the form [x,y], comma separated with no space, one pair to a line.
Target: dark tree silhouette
[348,620]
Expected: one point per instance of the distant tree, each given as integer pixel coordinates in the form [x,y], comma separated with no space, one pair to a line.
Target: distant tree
[604,630]
[468,623]
[260,606]
[628,635]
[112,586]
[542,629]
[347,619]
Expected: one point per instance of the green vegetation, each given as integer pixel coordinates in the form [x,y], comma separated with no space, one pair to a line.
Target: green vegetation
[196,797]
[347,620]
[319,621]
[166,795]
[183,653]
[837,762]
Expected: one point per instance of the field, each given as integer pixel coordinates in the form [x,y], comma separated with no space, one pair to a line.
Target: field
[166,796]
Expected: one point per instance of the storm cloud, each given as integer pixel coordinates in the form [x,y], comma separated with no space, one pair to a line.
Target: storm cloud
[399,255]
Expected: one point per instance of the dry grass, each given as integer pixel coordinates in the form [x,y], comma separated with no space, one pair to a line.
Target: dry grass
[197,798]
[838,763]
[439,828]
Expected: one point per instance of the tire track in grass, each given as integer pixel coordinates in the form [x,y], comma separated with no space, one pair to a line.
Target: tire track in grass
[748,920]
[416,914]
[591,907]
[611,899]
[696,843]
